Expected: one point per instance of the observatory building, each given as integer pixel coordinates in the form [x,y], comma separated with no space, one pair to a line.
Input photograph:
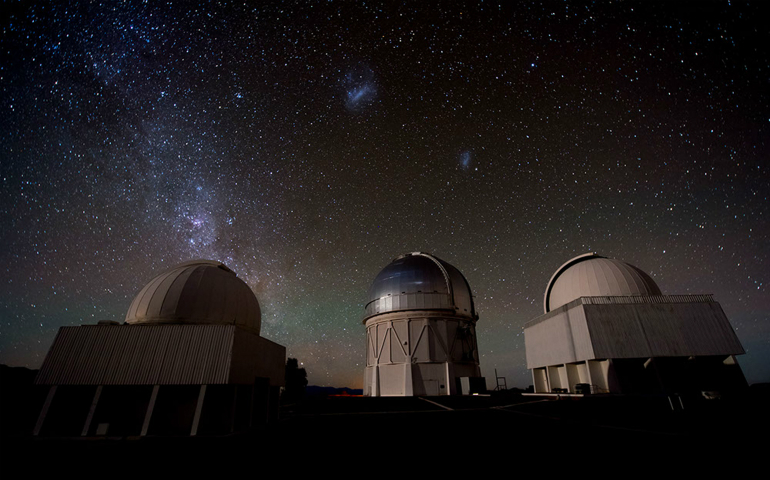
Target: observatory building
[189,360]
[421,330]
[607,328]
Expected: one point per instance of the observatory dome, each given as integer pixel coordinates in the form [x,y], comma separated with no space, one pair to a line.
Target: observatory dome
[196,292]
[591,275]
[420,281]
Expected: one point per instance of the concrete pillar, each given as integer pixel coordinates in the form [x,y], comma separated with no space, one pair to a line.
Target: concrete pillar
[590,377]
[376,380]
[408,375]
[198,409]
[451,388]
[598,371]
[564,376]
[408,380]
[91,411]
[150,407]
[540,380]
[44,411]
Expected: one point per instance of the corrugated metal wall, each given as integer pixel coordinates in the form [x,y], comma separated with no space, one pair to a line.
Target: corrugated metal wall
[661,330]
[139,355]
[630,327]
[703,298]
[622,300]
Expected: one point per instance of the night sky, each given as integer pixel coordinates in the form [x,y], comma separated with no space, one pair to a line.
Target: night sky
[307,144]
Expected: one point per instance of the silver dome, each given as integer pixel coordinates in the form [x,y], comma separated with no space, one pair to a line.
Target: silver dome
[591,275]
[420,281]
[196,292]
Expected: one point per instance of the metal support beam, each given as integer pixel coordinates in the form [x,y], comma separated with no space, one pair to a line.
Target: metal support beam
[150,407]
[198,409]
[91,411]
[44,411]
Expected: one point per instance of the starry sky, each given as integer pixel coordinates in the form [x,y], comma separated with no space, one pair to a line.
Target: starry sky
[307,144]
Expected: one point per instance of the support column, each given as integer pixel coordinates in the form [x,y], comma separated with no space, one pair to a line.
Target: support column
[376,368]
[198,409]
[564,377]
[450,387]
[590,377]
[91,411]
[376,379]
[150,408]
[44,411]
[540,380]
[408,380]
[408,374]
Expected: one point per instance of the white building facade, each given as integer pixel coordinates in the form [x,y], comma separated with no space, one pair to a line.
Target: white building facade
[421,330]
[607,328]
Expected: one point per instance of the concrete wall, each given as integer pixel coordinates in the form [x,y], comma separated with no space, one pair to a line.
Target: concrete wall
[419,354]
[257,357]
[562,337]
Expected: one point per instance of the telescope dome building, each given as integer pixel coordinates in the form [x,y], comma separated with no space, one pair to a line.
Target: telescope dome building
[189,360]
[200,292]
[420,330]
[592,276]
[607,328]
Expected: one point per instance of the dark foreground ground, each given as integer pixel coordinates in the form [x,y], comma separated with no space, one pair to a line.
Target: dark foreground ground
[353,435]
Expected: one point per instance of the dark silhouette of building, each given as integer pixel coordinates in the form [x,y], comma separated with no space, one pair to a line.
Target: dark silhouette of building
[189,360]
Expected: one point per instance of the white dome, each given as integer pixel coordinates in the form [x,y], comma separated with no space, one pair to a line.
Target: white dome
[196,292]
[420,281]
[591,275]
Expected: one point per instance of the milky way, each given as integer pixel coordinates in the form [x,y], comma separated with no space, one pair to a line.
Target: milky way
[307,144]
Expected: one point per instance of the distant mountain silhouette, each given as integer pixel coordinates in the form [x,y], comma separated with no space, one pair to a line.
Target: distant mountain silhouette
[313,390]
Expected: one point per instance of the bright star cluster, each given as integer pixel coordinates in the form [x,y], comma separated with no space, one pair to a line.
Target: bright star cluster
[306,144]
